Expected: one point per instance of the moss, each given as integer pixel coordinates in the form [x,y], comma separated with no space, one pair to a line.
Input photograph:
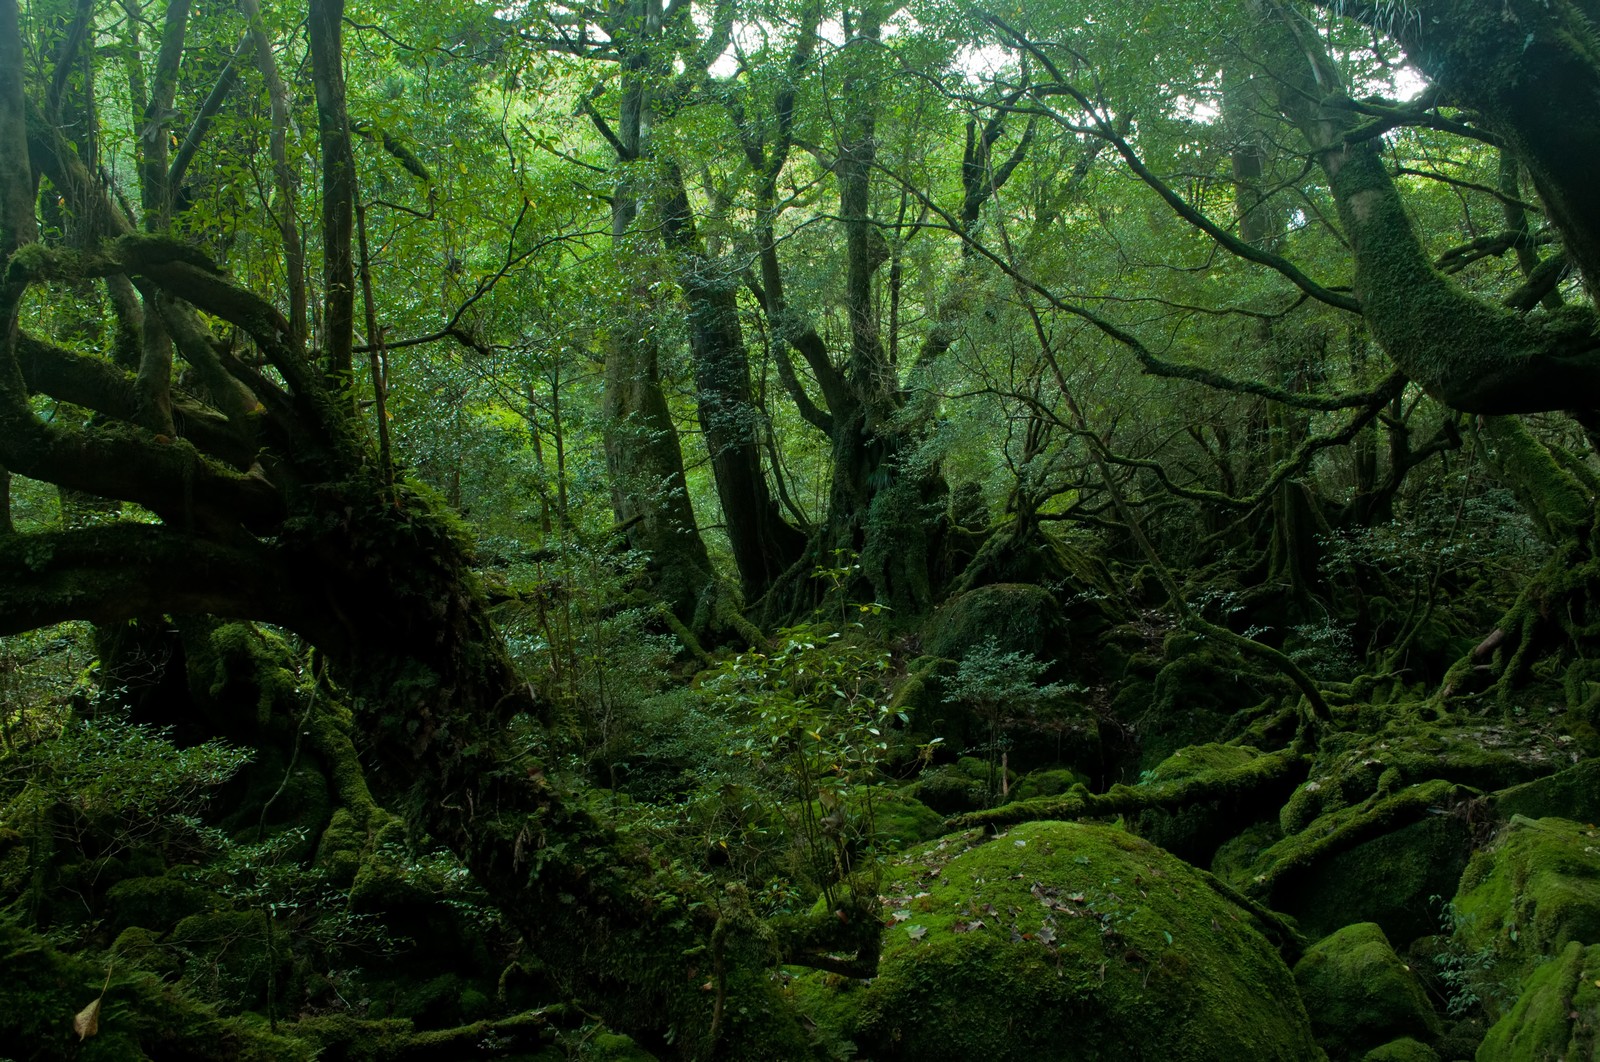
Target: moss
[1359,994]
[1196,831]
[1048,783]
[140,1015]
[1404,1049]
[1352,767]
[900,820]
[614,1047]
[1379,861]
[1531,895]
[1570,794]
[1060,941]
[1557,1014]
[157,903]
[1018,617]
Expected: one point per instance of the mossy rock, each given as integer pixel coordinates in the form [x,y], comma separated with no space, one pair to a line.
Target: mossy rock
[1359,994]
[900,820]
[1354,766]
[1404,1049]
[1197,831]
[955,787]
[1393,879]
[1533,893]
[227,956]
[1018,617]
[1195,697]
[155,903]
[1557,1015]
[1236,856]
[1052,782]
[1067,942]
[1570,794]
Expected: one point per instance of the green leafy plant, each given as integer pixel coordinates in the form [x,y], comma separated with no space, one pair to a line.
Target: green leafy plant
[810,713]
[1005,690]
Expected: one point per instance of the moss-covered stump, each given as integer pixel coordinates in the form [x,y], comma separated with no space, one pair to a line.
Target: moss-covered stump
[41,989]
[1061,942]
[1530,895]
[1556,1016]
[1360,995]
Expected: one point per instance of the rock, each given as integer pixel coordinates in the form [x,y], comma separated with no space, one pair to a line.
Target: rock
[1065,942]
[1404,1049]
[1536,891]
[1359,994]
[1557,1016]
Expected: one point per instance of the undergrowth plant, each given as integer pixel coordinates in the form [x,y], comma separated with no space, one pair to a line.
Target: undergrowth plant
[810,715]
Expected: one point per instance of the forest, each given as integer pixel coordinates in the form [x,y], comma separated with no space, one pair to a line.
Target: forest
[799,530]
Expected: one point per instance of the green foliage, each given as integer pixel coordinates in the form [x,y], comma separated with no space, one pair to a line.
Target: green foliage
[811,714]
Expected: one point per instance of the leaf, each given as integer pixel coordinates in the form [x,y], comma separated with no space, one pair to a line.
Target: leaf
[87,1021]
[916,932]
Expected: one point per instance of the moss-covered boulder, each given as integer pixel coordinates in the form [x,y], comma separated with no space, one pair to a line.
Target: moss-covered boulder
[899,819]
[1570,794]
[157,903]
[1557,1015]
[1360,995]
[1404,1049]
[1195,831]
[1529,896]
[1064,942]
[1018,617]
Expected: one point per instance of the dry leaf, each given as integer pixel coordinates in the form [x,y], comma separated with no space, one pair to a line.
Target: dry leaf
[87,1021]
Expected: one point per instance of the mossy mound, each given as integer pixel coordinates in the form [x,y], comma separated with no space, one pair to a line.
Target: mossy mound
[1570,794]
[1072,942]
[1054,782]
[157,903]
[1557,1015]
[1404,1049]
[1531,895]
[1197,696]
[900,820]
[1017,617]
[1359,994]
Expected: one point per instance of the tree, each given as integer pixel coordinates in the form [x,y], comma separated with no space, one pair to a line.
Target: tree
[267,501]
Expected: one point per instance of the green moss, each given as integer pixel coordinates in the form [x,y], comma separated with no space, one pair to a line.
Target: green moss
[1377,861]
[1359,994]
[1570,794]
[1049,783]
[1352,767]
[900,820]
[140,1015]
[1018,617]
[157,903]
[1404,1049]
[1059,941]
[1557,1014]
[1531,895]
[1196,831]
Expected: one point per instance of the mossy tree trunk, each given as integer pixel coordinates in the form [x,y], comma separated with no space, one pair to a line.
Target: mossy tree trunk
[273,507]
[1471,354]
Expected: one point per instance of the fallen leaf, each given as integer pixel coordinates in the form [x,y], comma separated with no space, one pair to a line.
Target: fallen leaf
[87,1021]
[916,932]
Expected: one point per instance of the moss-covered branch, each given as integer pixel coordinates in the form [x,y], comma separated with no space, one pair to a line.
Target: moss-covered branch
[1343,830]
[1275,769]
[119,571]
